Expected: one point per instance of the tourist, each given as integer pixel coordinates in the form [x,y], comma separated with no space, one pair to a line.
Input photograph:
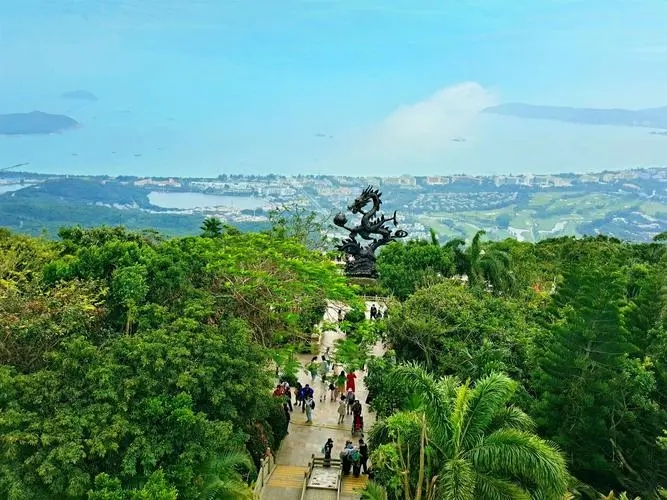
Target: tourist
[374,311]
[279,391]
[351,381]
[345,457]
[355,458]
[307,393]
[363,452]
[298,394]
[350,400]
[332,389]
[324,368]
[340,316]
[287,415]
[356,407]
[288,396]
[310,406]
[328,446]
[340,382]
[342,405]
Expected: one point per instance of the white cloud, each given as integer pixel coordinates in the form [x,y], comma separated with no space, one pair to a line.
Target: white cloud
[421,132]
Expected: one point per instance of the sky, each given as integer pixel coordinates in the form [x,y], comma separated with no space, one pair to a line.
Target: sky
[202,87]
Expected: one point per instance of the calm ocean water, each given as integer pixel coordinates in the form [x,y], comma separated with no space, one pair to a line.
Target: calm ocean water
[198,88]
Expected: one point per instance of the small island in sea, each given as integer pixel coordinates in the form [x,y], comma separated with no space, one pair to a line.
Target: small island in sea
[35,122]
[79,95]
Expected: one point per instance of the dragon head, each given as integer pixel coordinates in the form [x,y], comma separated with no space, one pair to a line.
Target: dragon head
[367,196]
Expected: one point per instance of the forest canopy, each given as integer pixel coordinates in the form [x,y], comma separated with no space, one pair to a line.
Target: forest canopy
[135,366]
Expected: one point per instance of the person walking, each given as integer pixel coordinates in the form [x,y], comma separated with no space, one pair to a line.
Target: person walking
[332,389]
[349,398]
[363,455]
[287,415]
[298,394]
[288,397]
[342,405]
[340,382]
[310,406]
[374,311]
[307,393]
[351,384]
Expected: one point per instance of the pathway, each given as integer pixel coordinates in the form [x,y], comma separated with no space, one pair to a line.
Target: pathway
[304,440]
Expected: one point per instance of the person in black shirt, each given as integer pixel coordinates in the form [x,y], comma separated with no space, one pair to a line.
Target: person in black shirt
[328,446]
[363,452]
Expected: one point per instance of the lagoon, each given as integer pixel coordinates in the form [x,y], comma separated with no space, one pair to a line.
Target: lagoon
[8,188]
[192,200]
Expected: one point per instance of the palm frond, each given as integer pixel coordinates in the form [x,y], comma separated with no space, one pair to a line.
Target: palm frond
[457,481]
[512,417]
[523,455]
[374,491]
[434,394]
[227,489]
[488,487]
[489,396]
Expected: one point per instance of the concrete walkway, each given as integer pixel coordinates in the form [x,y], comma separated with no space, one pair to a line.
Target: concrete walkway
[304,440]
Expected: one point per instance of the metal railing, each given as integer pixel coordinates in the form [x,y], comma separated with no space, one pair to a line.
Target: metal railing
[319,462]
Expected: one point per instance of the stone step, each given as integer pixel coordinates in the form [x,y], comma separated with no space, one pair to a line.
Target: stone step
[354,485]
[287,476]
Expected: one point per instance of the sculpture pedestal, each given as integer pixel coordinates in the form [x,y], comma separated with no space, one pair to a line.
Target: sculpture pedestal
[361,268]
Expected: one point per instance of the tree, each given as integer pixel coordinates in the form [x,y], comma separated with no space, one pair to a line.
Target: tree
[211,227]
[300,224]
[487,265]
[458,330]
[405,267]
[596,388]
[463,442]
[223,479]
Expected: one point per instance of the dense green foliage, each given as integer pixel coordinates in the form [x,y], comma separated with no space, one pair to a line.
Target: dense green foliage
[133,366]
[579,324]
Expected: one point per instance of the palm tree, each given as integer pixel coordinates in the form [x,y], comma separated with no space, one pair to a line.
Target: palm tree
[223,479]
[461,442]
[482,265]
[211,227]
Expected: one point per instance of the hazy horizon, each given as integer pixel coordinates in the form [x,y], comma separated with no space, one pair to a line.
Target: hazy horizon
[323,87]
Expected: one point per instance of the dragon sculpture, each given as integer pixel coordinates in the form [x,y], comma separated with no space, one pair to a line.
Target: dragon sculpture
[372,227]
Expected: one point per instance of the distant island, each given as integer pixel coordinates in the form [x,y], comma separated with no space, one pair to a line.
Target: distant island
[35,123]
[79,95]
[650,117]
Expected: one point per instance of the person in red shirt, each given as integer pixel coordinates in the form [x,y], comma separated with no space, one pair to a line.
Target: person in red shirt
[351,381]
[279,391]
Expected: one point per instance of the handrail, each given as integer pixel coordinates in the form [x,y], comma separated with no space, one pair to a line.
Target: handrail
[267,466]
[306,476]
[333,462]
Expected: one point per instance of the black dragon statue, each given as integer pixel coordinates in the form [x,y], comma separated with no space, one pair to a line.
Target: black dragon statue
[372,227]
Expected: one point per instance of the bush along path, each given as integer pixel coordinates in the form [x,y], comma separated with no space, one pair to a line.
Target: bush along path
[305,439]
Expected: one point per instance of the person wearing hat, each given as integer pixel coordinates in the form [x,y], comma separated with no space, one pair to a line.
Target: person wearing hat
[326,449]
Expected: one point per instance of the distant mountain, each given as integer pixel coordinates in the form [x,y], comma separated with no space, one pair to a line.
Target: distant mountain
[79,95]
[650,117]
[35,122]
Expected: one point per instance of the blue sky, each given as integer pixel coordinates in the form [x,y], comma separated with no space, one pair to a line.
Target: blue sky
[203,86]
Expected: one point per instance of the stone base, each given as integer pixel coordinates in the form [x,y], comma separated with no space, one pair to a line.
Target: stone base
[363,281]
[361,268]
